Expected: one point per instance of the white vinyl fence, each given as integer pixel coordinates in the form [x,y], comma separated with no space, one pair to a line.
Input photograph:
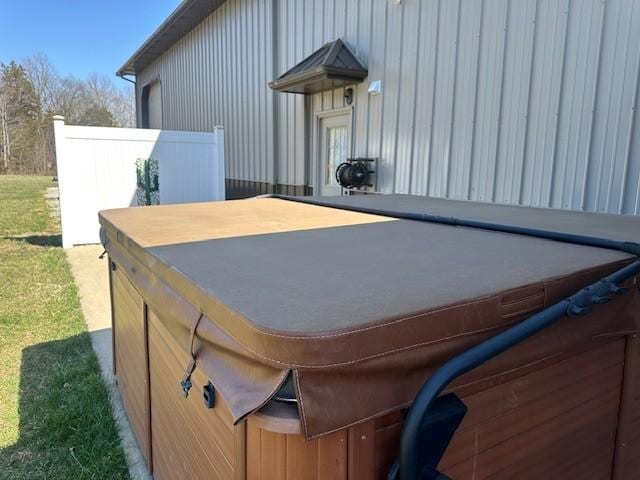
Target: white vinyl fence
[97,171]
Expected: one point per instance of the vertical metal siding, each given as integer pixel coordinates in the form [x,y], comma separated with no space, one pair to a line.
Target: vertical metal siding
[514,101]
[217,74]
[524,102]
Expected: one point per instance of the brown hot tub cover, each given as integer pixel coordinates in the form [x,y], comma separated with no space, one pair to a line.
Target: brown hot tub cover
[361,308]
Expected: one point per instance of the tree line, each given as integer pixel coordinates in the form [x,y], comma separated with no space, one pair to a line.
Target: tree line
[32,92]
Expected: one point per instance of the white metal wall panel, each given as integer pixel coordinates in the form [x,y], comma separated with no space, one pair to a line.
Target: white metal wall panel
[97,171]
[528,102]
[217,74]
[525,102]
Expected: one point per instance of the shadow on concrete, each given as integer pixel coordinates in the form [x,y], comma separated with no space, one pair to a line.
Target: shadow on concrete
[65,425]
[39,240]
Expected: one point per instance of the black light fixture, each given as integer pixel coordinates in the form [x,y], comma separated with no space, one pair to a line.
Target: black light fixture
[348,96]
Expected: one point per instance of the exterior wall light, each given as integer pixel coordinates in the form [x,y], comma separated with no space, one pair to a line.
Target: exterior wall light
[375,87]
[348,96]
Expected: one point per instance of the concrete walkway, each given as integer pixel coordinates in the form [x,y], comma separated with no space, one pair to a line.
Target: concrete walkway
[92,278]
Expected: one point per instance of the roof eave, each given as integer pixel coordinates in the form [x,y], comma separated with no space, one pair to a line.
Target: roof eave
[183,19]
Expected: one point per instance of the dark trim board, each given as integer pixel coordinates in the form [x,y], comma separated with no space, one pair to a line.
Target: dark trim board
[236,189]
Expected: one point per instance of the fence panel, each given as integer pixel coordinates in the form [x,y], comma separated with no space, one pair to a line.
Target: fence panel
[97,171]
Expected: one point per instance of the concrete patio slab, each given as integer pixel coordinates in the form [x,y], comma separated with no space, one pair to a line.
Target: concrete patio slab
[91,277]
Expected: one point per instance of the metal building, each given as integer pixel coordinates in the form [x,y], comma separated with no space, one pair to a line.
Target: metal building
[527,102]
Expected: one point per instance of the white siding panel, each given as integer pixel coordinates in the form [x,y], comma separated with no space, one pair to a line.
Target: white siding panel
[405,115]
[518,65]
[527,102]
[393,83]
[462,133]
[425,96]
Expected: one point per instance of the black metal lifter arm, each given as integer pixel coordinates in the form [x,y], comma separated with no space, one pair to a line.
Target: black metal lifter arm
[628,247]
[577,304]
[414,464]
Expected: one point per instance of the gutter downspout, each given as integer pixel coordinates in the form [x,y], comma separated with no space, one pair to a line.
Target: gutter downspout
[275,116]
[122,76]
[135,93]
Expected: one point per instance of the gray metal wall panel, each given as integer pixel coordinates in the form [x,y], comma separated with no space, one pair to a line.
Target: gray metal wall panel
[525,102]
[522,101]
[217,74]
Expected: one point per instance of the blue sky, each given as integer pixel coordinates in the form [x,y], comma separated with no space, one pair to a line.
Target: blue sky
[79,36]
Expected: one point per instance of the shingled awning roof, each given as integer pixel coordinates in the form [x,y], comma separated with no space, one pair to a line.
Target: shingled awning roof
[331,66]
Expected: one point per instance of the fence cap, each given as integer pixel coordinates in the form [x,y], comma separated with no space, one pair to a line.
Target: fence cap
[58,118]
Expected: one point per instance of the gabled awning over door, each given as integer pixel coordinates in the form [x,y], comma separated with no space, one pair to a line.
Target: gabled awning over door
[332,66]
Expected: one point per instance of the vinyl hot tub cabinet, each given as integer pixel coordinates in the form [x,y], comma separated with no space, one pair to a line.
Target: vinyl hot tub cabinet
[281,338]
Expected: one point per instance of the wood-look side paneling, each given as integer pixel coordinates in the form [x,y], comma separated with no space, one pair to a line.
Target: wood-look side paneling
[130,345]
[362,451]
[627,459]
[189,440]
[289,457]
[556,422]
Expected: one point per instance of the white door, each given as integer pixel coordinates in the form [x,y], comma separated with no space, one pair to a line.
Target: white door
[334,148]
[155,106]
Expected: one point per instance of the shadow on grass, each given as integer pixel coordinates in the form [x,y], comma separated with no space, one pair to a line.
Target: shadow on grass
[39,240]
[66,429]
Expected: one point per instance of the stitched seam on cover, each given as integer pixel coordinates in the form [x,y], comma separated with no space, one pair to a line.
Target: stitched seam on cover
[369,357]
[248,323]
[376,355]
[409,402]
[470,303]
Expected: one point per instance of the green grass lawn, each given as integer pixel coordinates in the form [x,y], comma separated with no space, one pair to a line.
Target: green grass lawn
[55,417]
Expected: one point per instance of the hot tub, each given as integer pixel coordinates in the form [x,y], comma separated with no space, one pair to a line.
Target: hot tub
[285,338]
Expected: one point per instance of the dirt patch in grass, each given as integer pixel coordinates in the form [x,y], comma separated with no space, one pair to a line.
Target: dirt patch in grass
[55,417]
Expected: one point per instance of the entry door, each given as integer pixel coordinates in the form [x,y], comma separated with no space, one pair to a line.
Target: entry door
[334,148]
[155,106]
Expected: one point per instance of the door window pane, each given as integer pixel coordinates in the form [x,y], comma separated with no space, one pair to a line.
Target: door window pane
[336,152]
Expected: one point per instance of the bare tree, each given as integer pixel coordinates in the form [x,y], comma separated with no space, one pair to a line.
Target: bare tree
[5,141]
[44,77]
[123,106]
[69,99]
[32,91]
[103,94]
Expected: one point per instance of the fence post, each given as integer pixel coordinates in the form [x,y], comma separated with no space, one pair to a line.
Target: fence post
[59,138]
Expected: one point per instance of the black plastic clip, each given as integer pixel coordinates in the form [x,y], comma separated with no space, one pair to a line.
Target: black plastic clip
[209,395]
[577,310]
[185,383]
[600,299]
[616,290]
[186,386]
